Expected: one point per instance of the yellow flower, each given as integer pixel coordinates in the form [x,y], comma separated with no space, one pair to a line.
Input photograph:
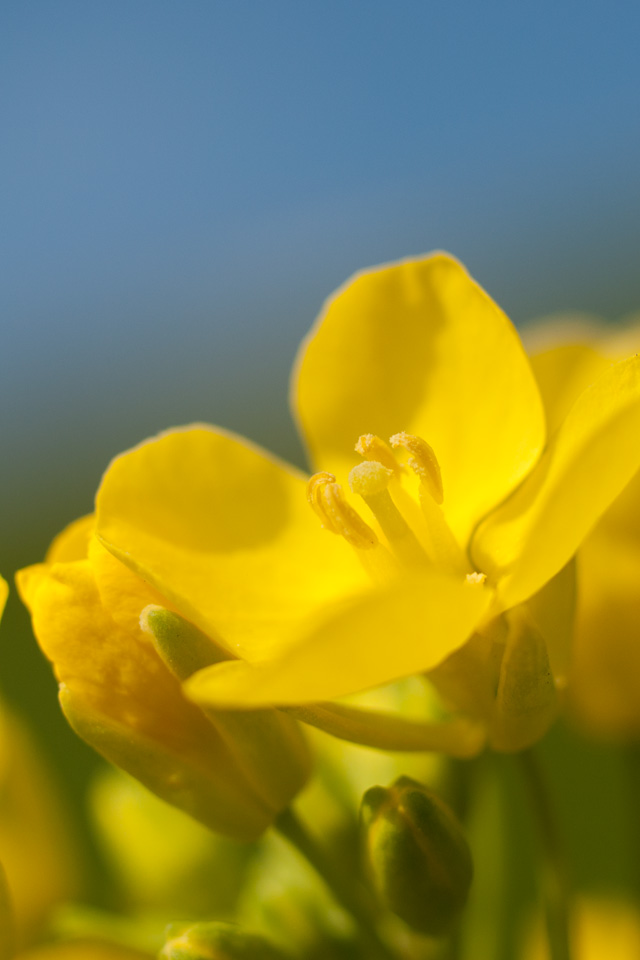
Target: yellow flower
[424,559]
[605,672]
[122,698]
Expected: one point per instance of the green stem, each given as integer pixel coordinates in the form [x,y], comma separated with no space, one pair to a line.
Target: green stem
[344,891]
[556,885]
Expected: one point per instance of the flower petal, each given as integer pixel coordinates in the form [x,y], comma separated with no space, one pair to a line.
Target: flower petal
[419,347]
[225,534]
[593,456]
[72,543]
[122,593]
[407,628]
[562,374]
[4,592]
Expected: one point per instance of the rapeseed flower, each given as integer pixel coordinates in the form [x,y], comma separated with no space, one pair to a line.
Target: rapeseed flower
[456,564]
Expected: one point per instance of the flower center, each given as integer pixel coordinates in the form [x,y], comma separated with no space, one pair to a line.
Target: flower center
[415,529]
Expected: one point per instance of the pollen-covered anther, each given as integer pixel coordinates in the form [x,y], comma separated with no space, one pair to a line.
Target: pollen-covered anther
[423,462]
[327,499]
[372,448]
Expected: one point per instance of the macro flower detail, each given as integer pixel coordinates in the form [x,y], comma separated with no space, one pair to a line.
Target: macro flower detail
[455,564]
[119,694]
[448,565]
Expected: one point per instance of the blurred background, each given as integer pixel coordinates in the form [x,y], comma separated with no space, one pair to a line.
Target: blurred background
[183,183]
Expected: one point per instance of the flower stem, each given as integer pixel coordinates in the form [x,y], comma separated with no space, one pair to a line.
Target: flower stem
[344,889]
[555,884]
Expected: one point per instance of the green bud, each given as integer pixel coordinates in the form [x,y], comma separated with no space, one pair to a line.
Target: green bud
[268,745]
[420,861]
[216,941]
[183,647]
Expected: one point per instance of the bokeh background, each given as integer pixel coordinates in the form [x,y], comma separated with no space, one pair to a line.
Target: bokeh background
[183,183]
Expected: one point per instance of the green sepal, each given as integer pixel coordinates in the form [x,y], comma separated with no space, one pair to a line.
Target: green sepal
[217,794]
[419,859]
[183,647]
[267,745]
[458,737]
[553,611]
[216,940]
[526,702]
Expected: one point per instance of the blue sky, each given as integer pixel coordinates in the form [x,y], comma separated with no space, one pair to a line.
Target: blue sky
[184,182]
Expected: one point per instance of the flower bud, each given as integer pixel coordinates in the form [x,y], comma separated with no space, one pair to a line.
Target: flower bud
[219,798]
[267,745]
[420,861]
[121,690]
[216,941]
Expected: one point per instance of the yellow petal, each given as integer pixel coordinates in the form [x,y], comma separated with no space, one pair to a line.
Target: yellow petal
[225,534]
[117,671]
[4,592]
[419,347]
[622,519]
[407,628]
[562,374]
[593,456]
[122,593]
[73,542]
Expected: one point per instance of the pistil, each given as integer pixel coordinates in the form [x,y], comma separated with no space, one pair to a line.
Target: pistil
[370,481]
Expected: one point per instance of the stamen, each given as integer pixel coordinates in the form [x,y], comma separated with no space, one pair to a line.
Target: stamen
[371,447]
[327,499]
[440,544]
[423,462]
[370,481]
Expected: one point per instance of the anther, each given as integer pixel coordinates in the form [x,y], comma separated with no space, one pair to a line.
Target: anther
[423,462]
[372,448]
[327,499]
